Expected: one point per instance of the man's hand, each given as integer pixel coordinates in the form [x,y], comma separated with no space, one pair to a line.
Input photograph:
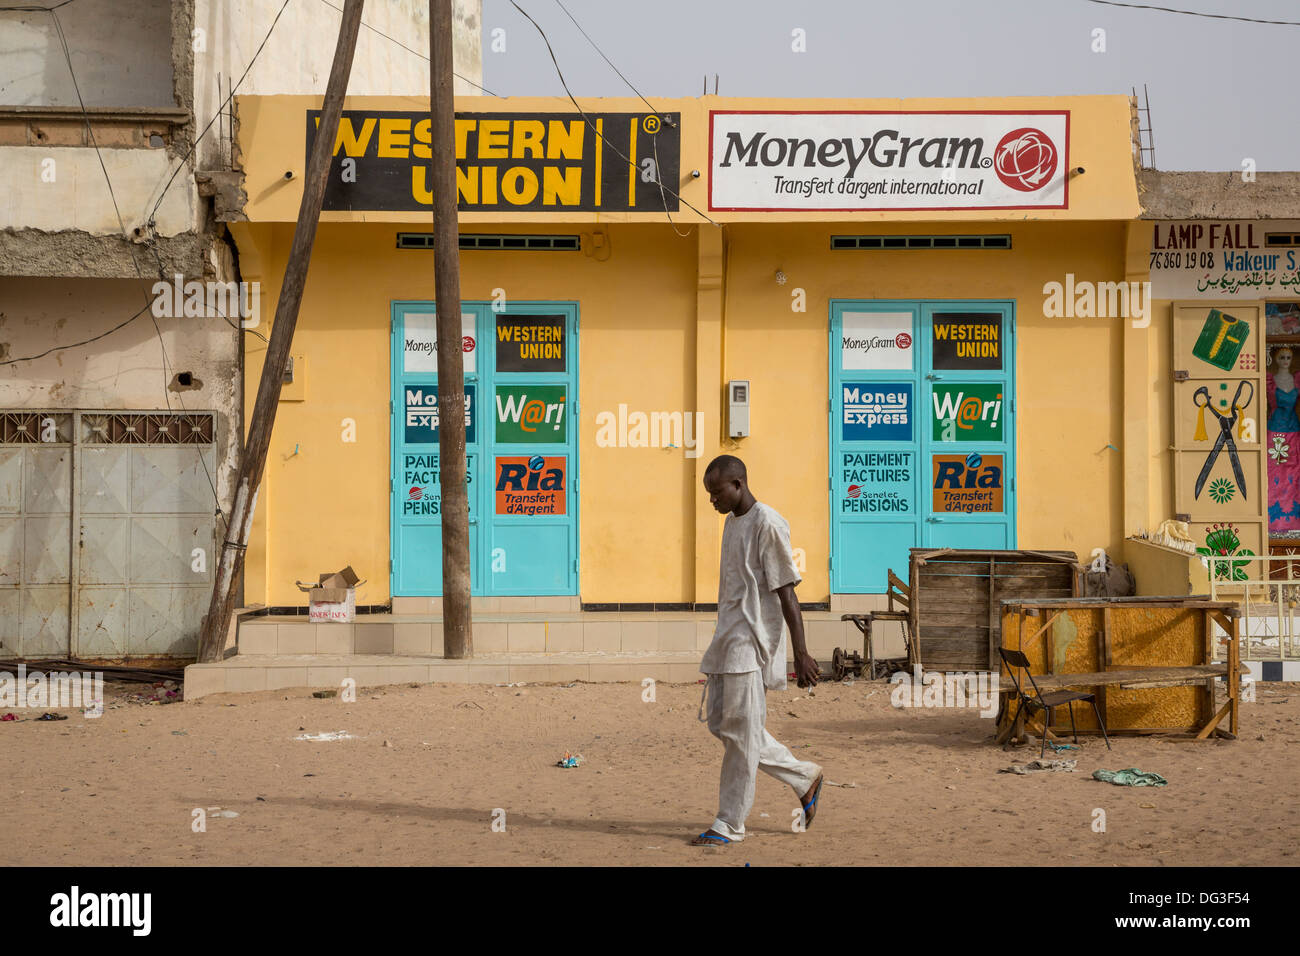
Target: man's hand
[807,670]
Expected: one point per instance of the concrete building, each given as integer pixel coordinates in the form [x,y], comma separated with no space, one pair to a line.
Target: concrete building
[922,323]
[121,409]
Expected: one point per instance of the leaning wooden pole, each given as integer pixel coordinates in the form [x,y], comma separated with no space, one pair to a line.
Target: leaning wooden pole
[457,634]
[230,564]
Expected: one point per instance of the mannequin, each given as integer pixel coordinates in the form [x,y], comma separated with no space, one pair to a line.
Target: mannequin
[1283,443]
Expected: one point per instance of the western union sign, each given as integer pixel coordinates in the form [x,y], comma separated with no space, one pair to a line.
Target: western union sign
[536,162]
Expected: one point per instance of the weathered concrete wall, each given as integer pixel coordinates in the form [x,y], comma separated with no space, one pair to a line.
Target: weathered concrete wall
[120,50]
[193,50]
[54,188]
[31,252]
[57,217]
[123,370]
[298,55]
[1223,195]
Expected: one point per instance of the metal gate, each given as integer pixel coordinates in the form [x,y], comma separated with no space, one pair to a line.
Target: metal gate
[107,532]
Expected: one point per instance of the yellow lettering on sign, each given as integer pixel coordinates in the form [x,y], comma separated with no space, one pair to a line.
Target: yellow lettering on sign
[394,138]
[561,185]
[519,185]
[420,190]
[527,139]
[493,139]
[564,141]
[420,149]
[463,128]
[353,143]
[467,184]
[600,150]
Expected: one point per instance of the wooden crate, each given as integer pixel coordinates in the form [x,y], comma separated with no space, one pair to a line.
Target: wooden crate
[956,596]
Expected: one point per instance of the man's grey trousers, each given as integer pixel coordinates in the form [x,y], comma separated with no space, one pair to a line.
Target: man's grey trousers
[737,710]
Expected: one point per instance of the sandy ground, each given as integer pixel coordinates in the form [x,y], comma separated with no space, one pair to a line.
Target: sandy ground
[428,765]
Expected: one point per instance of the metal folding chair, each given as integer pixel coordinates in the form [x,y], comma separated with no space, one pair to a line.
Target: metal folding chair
[1039,701]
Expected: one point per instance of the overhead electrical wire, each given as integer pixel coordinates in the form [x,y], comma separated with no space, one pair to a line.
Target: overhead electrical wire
[1196,13]
[561,5]
[32,8]
[422,56]
[655,141]
[618,152]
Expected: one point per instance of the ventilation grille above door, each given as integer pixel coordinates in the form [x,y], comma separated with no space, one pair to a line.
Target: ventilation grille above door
[106,428]
[921,242]
[424,240]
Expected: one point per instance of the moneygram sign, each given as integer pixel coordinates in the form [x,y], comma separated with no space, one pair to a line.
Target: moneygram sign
[856,162]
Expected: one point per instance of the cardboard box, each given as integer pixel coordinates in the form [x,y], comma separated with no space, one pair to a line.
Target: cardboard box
[333,597]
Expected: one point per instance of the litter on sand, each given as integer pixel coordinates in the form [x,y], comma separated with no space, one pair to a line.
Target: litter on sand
[1132,777]
[832,783]
[1064,766]
[328,735]
[1057,748]
[569,760]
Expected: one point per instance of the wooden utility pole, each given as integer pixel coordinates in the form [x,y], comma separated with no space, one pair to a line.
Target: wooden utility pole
[457,633]
[230,565]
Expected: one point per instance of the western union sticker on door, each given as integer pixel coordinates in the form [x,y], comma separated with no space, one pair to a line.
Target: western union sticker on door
[530,343]
[531,485]
[543,162]
[967,484]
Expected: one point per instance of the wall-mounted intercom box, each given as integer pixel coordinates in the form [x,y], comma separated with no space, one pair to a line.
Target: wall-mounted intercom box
[738,408]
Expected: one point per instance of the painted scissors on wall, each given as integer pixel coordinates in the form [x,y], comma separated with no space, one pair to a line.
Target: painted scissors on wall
[1226,424]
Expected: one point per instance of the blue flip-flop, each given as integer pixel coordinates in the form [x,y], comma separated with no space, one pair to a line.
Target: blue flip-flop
[706,835]
[810,808]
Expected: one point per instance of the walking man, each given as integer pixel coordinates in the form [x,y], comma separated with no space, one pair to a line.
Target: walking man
[747,654]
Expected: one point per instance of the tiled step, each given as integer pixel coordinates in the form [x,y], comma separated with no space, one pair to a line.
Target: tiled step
[242,674]
[536,632]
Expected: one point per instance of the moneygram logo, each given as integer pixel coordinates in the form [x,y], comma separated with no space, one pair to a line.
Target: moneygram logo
[1025,159]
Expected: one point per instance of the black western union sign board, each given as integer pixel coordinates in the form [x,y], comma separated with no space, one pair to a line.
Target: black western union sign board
[536,162]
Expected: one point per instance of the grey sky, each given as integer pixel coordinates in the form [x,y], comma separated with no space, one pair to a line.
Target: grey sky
[1220,90]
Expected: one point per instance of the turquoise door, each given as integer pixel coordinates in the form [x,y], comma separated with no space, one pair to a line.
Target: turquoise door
[921,433]
[521,448]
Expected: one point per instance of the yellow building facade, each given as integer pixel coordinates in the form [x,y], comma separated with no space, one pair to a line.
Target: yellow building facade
[760,273]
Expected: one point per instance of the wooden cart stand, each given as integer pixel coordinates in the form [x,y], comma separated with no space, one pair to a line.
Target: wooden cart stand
[956,596]
[1150,660]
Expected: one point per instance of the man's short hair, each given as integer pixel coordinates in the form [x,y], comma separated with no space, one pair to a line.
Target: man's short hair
[727,467]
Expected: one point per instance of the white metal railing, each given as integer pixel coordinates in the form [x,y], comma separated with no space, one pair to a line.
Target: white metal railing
[1267,589]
